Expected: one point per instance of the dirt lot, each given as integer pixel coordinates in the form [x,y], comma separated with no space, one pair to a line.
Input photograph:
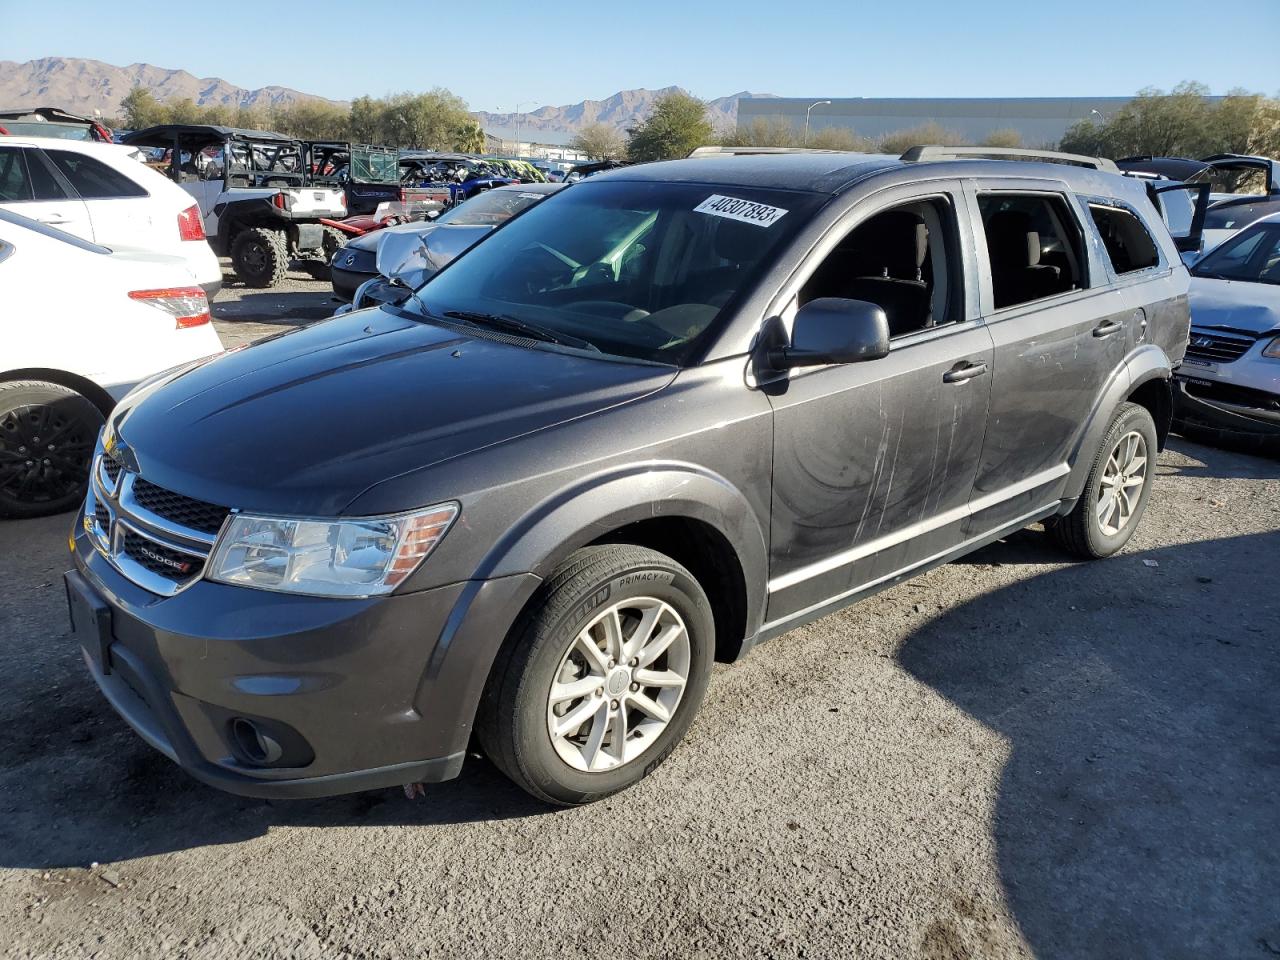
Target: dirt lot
[1012,756]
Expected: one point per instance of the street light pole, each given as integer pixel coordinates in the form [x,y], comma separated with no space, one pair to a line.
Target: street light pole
[806,118]
[519,117]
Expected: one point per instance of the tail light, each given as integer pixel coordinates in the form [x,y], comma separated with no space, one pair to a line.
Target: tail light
[187,305]
[190,224]
[280,201]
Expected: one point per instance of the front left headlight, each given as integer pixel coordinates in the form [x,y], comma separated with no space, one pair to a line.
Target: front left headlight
[1272,349]
[360,557]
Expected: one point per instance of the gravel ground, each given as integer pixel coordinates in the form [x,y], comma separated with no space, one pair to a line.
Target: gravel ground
[1010,756]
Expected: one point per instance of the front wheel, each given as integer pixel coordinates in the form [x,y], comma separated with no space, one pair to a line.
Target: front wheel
[1115,494]
[604,677]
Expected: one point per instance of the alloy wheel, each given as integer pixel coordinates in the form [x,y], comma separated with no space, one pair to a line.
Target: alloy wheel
[1121,485]
[619,684]
[44,453]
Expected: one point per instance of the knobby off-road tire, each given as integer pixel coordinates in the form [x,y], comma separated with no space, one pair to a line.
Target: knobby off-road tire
[1116,491]
[260,256]
[47,436]
[624,686]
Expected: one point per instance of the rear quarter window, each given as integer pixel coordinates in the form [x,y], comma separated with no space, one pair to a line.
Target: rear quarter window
[93,179]
[1128,244]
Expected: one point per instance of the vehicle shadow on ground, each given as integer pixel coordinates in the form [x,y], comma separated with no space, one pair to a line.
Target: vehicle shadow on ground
[1136,813]
[1198,452]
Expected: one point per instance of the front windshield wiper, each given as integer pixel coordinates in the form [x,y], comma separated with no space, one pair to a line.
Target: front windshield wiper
[523,327]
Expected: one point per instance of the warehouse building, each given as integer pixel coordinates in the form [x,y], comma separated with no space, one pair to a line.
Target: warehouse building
[1041,121]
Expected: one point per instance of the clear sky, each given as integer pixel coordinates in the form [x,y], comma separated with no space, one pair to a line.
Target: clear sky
[497,54]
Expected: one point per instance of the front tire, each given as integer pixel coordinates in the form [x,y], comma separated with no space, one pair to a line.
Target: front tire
[602,680]
[47,435]
[260,256]
[1116,491]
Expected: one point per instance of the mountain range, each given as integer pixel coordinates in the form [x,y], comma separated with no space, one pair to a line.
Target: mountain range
[85,86]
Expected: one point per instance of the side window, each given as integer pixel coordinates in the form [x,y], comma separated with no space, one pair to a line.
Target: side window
[24,176]
[93,179]
[903,259]
[1128,244]
[1033,242]
[15,185]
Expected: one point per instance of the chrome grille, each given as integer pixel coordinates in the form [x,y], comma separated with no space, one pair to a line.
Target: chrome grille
[1217,346]
[155,537]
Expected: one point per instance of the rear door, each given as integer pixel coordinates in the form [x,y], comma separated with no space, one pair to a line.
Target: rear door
[1059,333]
[30,187]
[120,208]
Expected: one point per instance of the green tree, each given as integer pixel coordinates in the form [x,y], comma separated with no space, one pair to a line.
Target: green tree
[1181,123]
[435,120]
[676,126]
[599,141]
[762,132]
[898,141]
[140,109]
[839,138]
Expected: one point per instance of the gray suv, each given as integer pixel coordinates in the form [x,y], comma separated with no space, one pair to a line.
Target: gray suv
[654,421]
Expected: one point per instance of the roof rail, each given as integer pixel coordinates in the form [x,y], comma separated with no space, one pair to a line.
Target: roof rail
[917,154]
[752,151]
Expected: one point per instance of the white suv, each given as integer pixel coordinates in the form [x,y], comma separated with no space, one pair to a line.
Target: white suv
[102,193]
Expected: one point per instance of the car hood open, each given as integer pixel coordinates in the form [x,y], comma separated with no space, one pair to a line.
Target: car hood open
[1235,305]
[302,423]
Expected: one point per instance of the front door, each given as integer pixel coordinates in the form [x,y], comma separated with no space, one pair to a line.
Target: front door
[874,462]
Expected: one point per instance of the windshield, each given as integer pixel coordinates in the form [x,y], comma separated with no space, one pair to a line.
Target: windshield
[1253,256]
[491,208]
[637,269]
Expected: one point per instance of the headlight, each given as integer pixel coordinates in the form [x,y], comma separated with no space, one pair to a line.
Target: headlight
[1272,349]
[361,557]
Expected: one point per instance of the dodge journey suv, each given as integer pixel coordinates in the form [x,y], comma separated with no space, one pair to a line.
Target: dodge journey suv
[663,416]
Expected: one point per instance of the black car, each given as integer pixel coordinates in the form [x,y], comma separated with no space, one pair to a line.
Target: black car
[654,421]
[445,237]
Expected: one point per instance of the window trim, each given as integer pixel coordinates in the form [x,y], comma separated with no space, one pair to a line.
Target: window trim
[1050,189]
[1161,265]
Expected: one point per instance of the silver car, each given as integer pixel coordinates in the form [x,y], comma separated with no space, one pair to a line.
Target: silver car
[1229,382]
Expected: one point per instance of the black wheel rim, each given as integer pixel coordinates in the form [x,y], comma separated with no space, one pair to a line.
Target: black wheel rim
[44,453]
[254,256]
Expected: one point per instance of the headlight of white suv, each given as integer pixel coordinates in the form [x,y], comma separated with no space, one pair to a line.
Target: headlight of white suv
[361,557]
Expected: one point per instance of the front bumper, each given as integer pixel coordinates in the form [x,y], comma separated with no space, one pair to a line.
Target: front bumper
[361,694]
[346,281]
[1226,410]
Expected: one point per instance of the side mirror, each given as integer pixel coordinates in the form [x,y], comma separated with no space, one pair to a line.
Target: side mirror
[402,258]
[830,330]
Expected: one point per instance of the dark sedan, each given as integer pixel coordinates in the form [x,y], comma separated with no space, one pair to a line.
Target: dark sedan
[446,236]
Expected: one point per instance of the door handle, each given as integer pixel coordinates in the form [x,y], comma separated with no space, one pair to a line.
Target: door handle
[1106,328]
[964,371]
[53,219]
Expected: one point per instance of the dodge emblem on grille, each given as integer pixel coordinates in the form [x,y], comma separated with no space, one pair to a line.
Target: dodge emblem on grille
[167,561]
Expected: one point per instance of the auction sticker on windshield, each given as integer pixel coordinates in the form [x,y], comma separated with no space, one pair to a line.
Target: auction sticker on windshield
[748,211]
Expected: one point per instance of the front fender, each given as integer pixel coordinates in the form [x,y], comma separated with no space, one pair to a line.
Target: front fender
[581,514]
[1148,362]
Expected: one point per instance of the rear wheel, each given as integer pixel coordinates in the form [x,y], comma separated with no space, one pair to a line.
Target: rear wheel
[603,678]
[260,256]
[1116,491]
[47,435]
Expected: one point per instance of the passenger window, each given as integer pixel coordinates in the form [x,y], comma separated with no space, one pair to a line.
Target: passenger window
[15,185]
[1033,242]
[1128,244]
[93,179]
[903,259]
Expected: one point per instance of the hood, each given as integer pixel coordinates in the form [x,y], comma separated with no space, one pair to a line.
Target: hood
[442,241]
[1235,305]
[302,423]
